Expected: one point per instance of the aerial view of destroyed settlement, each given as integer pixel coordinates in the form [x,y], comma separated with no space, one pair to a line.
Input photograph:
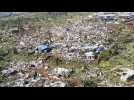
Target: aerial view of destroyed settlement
[66,49]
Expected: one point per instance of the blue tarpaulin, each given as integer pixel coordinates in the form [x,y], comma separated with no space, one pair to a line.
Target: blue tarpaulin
[99,49]
[43,48]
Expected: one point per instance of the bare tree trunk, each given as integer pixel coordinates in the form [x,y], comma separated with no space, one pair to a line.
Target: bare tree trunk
[50,36]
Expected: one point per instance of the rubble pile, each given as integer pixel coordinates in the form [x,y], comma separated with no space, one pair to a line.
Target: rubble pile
[74,35]
[32,74]
[29,41]
[126,74]
[70,38]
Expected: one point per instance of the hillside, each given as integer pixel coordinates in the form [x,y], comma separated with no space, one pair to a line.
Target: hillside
[67,49]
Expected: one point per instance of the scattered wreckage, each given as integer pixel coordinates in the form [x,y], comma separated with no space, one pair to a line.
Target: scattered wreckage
[127,74]
[70,46]
[23,75]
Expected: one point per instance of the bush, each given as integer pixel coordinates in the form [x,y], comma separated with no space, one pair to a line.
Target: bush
[105,64]
[89,83]
[105,55]
[3,52]
[120,61]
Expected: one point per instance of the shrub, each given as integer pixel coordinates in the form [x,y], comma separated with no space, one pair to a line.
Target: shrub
[88,83]
[120,61]
[105,64]
[3,52]
[105,55]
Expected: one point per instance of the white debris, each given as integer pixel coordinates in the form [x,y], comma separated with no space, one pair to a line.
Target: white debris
[58,84]
[126,74]
[90,47]
[61,71]
[4,72]
[20,75]
[8,71]
[35,63]
[19,82]
[94,72]
[54,84]
[90,16]
[22,43]
[89,55]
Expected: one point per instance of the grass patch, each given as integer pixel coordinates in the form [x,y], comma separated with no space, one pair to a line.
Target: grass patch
[105,64]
